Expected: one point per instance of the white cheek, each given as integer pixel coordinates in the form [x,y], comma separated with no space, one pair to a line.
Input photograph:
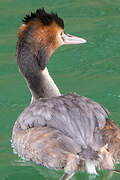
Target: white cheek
[61,41]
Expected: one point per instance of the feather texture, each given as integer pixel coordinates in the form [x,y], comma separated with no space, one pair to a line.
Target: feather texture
[76,116]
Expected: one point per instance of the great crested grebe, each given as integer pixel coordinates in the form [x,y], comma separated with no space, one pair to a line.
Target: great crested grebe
[59,131]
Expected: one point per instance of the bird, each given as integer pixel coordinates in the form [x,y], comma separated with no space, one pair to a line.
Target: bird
[70,131]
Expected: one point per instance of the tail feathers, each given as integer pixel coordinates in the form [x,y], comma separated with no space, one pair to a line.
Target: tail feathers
[91,159]
[89,153]
[90,166]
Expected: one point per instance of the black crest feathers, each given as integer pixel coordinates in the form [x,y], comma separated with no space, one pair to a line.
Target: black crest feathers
[44,17]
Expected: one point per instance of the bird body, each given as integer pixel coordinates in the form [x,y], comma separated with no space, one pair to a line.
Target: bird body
[59,131]
[71,114]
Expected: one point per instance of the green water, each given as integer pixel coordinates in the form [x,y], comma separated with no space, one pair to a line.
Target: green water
[92,70]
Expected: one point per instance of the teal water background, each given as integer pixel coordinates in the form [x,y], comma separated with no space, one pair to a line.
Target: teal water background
[92,70]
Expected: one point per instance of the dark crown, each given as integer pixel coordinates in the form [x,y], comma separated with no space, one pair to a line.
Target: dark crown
[44,17]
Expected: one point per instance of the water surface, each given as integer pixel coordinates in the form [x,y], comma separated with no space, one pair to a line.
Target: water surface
[92,70]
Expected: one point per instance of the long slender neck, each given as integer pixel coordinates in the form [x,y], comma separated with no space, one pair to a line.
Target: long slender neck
[43,86]
[39,81]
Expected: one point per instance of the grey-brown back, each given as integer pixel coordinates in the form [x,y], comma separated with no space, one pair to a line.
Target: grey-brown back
[75,116]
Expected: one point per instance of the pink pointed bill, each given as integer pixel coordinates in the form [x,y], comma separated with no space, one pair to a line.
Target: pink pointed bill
[69,39]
